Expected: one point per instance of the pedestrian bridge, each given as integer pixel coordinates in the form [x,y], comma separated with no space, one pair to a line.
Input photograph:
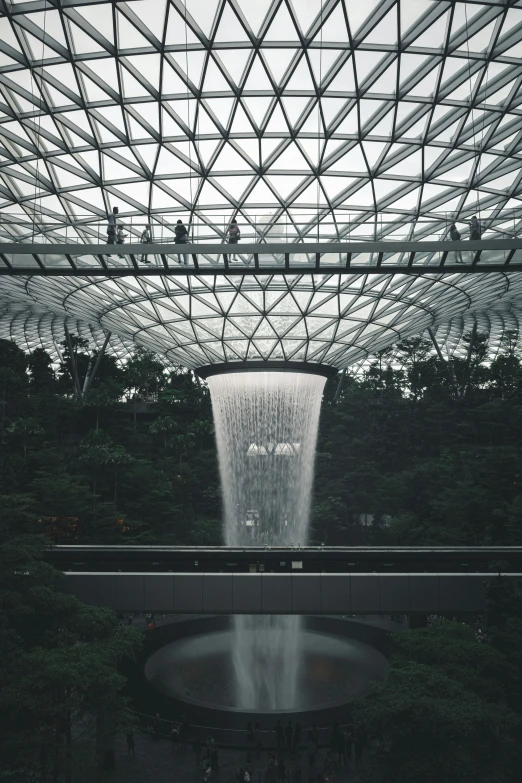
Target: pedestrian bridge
[305,583]
[389,258]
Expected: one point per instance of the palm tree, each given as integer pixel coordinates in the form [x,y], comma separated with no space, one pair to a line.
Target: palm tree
[25,428]
[164,425]
[200,428]
[95,453]
[118,455]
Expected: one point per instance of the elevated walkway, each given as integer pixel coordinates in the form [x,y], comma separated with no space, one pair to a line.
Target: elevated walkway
[399,257]
[291,591]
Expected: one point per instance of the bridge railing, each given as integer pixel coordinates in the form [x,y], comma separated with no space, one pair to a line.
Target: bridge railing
[387,257]
[303,226]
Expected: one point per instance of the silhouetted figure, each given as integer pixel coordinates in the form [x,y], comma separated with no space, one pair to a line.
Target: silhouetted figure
[315,734]
[146,239]
[184,730]
[120,237]
[289,734]
[258,738]
[130,618]
[343,753]
[455,237]
[130,743]
[181,238]
[312,750]
[281,771]
[196,748]
[174,736]
[111,226]
[214,758]
[360,739]
[280,735]
[474,229]
[334,737]
[297,737]
[156,725]
[271,772]
[297,775]
[234,235]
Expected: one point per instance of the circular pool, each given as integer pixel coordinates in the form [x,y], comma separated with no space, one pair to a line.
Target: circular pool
[198,669]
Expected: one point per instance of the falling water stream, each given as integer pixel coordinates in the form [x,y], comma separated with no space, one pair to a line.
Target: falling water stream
[266,429]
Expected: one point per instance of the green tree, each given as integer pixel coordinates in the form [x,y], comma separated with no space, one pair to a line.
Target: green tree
[163,426]
[94,452]
[42,377]
[441,714]
[59,669]
[25,429]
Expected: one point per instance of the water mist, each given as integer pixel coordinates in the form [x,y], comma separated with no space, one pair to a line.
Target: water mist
[266,429]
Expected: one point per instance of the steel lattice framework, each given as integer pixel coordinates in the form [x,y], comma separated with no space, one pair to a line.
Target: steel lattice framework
[313,120]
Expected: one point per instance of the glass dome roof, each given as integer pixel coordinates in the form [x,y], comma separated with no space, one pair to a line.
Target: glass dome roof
[308,119]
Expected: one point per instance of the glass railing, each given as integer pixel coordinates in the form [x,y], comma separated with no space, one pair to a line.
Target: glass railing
[214,228]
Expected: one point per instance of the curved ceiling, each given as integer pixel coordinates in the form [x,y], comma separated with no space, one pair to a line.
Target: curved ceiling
[308,119]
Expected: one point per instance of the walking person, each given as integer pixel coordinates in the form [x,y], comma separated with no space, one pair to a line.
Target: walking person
[156,726]
[181,238]
[289,734]
[234,235]
[111,227]
[120,236]
[297,775]
[146,239]
[214,758]
[280,736]
[281,771]
[475,232]
[130,743]
[360,739]
[271,772]
[258,739]
[296,739]
[455,237]
[196,747]
[311,750]
[174,736]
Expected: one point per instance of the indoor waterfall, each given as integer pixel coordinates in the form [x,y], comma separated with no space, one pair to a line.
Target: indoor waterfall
[266,429]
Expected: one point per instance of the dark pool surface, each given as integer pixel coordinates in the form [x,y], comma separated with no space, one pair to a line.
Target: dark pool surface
[198,670]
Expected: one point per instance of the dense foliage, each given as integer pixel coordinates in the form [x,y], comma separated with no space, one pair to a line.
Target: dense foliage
[430,448]
[426,449]
[450,708]
[61,690]
[133,459]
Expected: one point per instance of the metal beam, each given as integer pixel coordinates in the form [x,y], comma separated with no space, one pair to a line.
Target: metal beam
[92,375]
[357,258]
[76,378]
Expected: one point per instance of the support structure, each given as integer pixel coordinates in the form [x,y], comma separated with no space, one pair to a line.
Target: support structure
[89,378]
[74,366]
